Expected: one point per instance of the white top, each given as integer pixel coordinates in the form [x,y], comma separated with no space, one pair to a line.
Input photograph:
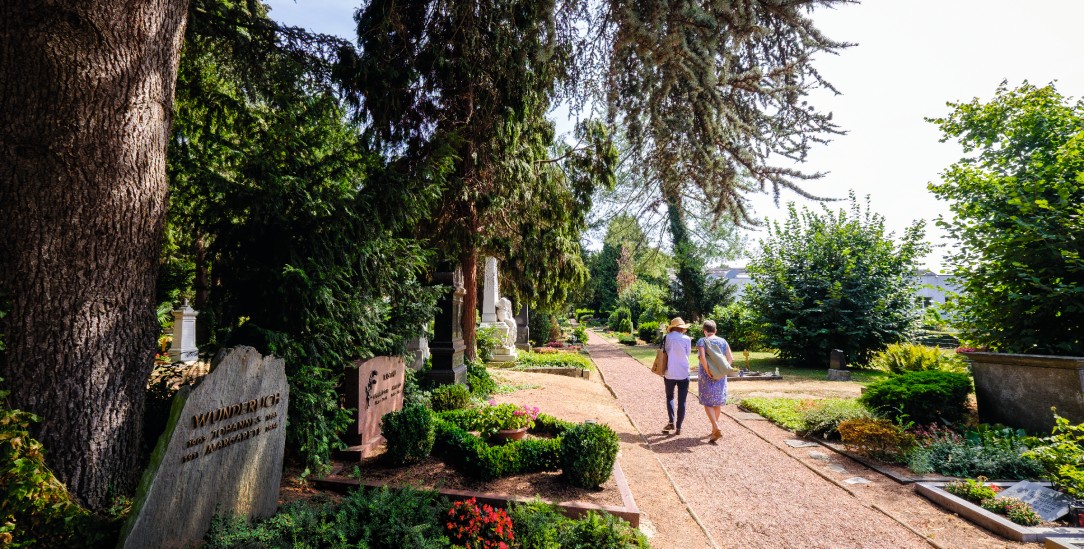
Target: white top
[677,346]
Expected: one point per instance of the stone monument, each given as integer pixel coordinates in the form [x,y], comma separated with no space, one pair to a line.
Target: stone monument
[497,314]
[418,347]
[183,349]
[221,453]
[523,341]
[447,346]
[837,364]
[374,387]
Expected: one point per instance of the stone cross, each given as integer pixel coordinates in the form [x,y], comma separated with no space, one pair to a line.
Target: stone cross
[490,292]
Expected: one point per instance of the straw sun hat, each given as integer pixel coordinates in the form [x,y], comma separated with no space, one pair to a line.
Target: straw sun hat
[678,324]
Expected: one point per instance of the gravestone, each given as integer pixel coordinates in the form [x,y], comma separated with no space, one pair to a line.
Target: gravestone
[447,345]
[183,348]
[523,341]
[497,315]
[1048,504]
[418,347]
[837,360]
[374,387]
[221,453]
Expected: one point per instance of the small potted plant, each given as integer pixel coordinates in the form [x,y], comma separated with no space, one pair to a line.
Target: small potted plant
[507,421]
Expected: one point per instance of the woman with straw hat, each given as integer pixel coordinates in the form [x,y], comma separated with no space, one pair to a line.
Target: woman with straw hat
[677,346]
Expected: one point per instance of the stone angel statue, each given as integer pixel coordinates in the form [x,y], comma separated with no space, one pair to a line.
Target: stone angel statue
[505,315]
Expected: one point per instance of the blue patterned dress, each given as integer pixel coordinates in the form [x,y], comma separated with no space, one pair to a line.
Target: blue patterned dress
[712,392]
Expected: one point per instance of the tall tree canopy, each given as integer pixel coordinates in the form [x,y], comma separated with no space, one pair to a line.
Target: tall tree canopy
[835,280]
[1018,205]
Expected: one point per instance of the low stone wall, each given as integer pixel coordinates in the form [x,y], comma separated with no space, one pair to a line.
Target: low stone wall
[1019,390]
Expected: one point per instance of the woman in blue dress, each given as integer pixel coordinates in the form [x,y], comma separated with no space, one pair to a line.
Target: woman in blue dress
[712,389]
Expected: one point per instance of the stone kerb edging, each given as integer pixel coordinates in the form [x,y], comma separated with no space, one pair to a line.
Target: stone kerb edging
[574,509]
[992,521]
[567,371]
[221,453]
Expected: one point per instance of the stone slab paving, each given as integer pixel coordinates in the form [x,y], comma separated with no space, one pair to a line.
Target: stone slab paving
[746,491]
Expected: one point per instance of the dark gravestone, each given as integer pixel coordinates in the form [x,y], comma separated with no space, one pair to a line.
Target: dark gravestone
[447,346]
[522,329]
[374,388]
[221,453]
[1048,504]
[837,360]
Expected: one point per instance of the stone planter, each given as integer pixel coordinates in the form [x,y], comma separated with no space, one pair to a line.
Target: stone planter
[512,434]
[1018,390]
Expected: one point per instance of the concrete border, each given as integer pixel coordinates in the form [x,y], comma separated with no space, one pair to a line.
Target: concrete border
[991,521]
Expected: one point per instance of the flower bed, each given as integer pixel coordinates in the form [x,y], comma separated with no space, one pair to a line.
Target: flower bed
[935,492]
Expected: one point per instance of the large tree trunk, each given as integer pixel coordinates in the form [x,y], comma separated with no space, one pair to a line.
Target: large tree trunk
[469,262]
[86,99]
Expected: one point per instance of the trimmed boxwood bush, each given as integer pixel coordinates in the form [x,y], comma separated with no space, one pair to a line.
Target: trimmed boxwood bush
[472,456]
[921,397]
[449,397]
[626,339]
[531,359]
[648,331]
[409,433]
[588,452]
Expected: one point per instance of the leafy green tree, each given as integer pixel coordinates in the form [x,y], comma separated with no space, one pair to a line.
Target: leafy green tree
[1018,205]
[646,302]
[835,280]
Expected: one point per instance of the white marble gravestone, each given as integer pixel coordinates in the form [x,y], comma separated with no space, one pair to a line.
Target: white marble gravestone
[497,314]
[221,453]
[183,348]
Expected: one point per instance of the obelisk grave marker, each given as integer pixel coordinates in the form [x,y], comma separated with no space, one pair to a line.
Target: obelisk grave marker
[221,453]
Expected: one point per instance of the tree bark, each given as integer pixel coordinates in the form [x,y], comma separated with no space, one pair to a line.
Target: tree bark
[86,99]
[469,262]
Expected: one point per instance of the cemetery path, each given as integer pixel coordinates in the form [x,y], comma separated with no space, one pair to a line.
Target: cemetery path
[751,490]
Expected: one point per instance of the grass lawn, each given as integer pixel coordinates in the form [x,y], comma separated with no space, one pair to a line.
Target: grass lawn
[762,362]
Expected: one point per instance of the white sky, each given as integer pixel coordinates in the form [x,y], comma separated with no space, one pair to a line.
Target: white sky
[912,57]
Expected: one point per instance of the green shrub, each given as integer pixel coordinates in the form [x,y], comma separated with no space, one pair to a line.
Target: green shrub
[450,397]
[625,339]
[949,453]
[35,508]
[876,438]
[737,323]
[921,397]
[625,326]
[579,334]
[538,525]
[478,379]
[974,491]
[619,314]
[695,332]
[649,332]
[548,425]
[907,357]
[602,531]
[530,359]
[824,419]
[583,315]
[413,393]
[472,456]
[783,412]
[488,339]
[379,518]
[409,433]
[1014,509]
[1062,456]
[588,452]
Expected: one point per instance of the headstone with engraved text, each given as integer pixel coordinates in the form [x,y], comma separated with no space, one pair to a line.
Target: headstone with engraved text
[1048,504]
[375,388]
[221,453]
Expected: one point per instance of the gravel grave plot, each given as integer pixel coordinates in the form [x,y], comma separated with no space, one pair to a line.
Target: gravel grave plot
[746,491]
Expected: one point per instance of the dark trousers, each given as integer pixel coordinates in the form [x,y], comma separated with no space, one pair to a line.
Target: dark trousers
[682,386]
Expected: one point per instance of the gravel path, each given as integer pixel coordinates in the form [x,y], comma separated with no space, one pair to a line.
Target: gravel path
[746,491]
